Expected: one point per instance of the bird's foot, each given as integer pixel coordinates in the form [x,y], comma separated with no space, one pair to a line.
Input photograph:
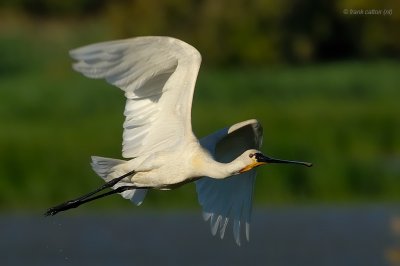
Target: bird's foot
[62,207]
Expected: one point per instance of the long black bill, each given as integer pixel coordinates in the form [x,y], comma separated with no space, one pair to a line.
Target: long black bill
[264,159]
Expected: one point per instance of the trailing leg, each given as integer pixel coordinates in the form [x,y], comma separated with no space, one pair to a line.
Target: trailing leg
[87,197]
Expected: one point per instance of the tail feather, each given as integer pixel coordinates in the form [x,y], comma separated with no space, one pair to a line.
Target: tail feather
[105,168]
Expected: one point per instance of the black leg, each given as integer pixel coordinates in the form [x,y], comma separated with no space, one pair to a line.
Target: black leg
[109,184]
[77,202]
[86,198]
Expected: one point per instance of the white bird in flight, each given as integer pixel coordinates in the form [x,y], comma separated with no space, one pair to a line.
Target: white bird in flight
[158,76]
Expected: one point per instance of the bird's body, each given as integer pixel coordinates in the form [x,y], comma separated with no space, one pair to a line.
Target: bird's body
[169,170]
[159,172]
[158,76]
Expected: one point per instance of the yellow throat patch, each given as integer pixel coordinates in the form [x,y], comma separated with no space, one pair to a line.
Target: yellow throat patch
[251,166]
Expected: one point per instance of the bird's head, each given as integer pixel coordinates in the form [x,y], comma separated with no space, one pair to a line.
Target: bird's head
[254,158]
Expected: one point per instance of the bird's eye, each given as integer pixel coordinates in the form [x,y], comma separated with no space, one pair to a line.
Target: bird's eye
[251,155]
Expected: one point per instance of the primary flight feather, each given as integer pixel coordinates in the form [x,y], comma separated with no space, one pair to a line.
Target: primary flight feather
[158,76]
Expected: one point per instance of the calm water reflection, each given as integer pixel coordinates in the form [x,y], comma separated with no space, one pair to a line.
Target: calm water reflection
[279,236]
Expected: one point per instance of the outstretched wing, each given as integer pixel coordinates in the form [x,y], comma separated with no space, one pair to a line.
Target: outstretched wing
[231,198]
[158,75]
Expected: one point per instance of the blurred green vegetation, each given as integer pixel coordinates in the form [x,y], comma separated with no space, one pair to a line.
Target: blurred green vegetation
[335,108]
[242,32]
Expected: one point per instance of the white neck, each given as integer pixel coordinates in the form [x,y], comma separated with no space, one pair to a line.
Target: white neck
[211,168]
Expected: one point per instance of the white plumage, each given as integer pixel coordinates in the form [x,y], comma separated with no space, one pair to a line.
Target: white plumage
[158,75]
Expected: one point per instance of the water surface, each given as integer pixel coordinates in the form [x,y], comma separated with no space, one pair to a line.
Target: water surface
[279,236]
